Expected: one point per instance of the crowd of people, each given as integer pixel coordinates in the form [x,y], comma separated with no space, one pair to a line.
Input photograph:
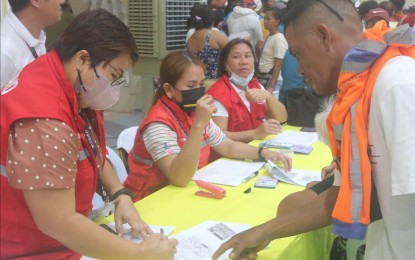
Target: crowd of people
[220,93]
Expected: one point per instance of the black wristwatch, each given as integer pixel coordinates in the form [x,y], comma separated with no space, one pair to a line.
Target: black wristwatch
[261,158]
[123,191]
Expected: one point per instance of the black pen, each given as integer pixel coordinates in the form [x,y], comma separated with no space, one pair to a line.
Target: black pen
[250,177]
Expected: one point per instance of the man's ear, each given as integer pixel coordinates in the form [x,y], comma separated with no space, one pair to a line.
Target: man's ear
[35,3]
[324,35]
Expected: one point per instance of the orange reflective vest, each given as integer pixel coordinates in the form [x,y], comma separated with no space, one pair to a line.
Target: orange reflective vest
[348,121]
[144,175]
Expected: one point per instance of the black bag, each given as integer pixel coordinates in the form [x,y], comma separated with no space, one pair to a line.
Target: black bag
[302,105]
[263,78]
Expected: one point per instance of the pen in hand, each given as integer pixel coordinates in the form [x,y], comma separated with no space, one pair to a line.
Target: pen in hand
[162,233]
[250,177]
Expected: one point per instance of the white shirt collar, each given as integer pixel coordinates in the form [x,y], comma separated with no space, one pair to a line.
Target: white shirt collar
[22,31]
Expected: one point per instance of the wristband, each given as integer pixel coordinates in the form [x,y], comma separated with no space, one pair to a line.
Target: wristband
[261,158]
[121,192]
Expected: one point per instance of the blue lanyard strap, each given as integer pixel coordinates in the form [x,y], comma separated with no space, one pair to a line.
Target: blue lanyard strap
[92,140]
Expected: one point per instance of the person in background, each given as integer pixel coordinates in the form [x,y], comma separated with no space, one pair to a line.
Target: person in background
[177,135]
[376,15]
[272,51]
[206,43]
[397,9]
[409,17]
[53,150]
[244,19]
[22,35]
[367,79]
[53,31]
[245,110]
[365,7]
[218,4]
[387,6]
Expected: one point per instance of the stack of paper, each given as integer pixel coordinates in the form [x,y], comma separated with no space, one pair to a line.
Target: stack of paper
[227,171]
[295,176]
[290,138]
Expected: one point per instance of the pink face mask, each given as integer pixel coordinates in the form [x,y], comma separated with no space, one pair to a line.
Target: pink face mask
[103,94]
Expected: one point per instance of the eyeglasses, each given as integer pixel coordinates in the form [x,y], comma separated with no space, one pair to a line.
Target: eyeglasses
[331,10]
[120,80]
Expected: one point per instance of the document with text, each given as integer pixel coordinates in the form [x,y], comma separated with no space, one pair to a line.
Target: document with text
[201,241]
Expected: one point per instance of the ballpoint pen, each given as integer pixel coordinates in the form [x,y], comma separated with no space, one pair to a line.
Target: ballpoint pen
[189,105]
[162,233]
[250,177]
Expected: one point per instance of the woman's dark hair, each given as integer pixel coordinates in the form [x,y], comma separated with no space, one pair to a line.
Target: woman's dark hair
[100,33]
[202,16]
[365,7]
[18,5]
[398,4]
[277,13]
[172,68]
[227,50]
[388,6]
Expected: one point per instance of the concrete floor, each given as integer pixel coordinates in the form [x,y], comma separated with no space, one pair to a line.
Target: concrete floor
[116,122]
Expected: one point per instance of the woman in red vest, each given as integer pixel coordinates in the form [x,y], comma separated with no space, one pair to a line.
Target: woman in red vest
[245,110]
[53,150]
[175,138]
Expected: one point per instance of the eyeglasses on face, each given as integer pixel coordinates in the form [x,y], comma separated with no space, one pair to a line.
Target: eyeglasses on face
[120,80]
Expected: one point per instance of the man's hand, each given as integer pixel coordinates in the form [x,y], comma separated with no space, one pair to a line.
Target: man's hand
[245,245]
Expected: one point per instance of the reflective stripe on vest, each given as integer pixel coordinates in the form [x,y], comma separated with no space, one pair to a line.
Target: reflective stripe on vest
[3,171]
[140,159]
[355,178]
[83,154]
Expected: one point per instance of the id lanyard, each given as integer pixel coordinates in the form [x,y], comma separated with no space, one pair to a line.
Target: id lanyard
[93,143]
[32,50]
[177,120]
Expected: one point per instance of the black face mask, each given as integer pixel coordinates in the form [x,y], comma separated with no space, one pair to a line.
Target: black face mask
[190,97]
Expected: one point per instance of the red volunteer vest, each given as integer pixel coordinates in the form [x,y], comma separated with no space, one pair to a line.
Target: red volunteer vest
[42,91]
[240,119]
[145,177]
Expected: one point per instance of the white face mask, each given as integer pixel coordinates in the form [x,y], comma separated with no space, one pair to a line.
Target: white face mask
[102,94]
[241,81]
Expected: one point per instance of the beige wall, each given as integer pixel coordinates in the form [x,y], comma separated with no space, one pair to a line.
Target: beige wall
[4,8]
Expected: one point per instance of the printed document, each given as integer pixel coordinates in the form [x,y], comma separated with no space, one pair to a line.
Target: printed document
[201,241]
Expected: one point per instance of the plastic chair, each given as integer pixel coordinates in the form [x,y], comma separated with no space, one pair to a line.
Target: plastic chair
[119,168]
[125,143]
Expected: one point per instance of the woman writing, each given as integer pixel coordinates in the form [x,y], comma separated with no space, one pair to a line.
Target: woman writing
[53,150]
[176,137]
[245,110]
